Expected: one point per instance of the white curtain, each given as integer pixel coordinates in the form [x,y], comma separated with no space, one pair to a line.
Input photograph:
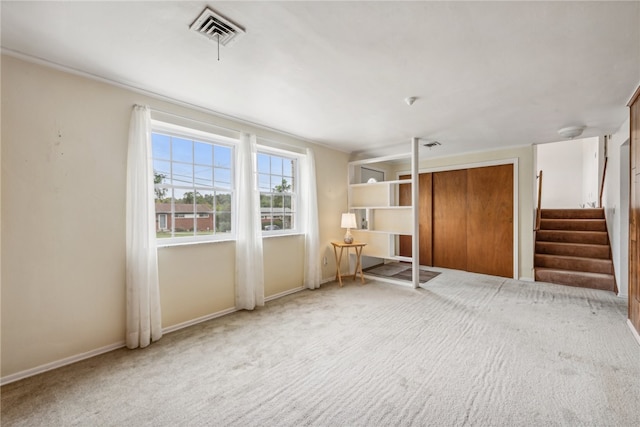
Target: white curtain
[249,261]
[309,217]
[144,322]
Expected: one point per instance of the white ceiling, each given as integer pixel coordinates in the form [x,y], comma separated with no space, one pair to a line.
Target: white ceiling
[486,74]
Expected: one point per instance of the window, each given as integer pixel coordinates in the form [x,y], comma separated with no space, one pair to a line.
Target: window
[277,182]
[193,176]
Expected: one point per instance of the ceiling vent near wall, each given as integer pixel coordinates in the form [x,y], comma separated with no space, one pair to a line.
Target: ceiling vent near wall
[216,27]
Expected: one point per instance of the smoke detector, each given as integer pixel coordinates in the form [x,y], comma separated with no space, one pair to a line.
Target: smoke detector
[571,131]
[216,27]
[410,100]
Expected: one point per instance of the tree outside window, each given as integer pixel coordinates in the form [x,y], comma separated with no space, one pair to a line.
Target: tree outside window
[193,186]
[276,180]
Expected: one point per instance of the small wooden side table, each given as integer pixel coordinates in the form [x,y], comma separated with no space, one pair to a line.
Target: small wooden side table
[358,247]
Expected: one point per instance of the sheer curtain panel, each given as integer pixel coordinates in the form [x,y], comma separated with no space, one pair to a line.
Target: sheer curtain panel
[309,218]
[144,323]
[249,261]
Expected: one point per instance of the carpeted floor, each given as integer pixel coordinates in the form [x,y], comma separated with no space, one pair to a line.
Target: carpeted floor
[465,349]
[399,271]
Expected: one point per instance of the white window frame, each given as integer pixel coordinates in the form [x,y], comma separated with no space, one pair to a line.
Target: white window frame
[263,149]
[214,139]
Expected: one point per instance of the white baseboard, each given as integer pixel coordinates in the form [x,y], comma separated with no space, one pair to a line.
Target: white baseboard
[78,357]
[285,293]
[328,280]
[633,331]
[526,279]
[195,321]
[59,363]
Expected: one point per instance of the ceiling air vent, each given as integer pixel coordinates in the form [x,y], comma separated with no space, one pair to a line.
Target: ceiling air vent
[216,27]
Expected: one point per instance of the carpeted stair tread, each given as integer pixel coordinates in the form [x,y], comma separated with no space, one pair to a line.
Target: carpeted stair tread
[572,213]
[573,263]
[570,236]
[573,249]
[601,281]
[574,224]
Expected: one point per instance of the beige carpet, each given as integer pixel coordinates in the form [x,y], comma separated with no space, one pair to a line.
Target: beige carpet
[465,350]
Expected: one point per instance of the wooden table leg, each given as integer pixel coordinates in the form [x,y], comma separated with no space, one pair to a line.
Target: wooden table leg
[359,264]
[338,262]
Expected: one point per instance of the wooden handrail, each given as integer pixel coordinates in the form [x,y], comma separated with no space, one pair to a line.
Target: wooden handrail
[538,212]
[604,173]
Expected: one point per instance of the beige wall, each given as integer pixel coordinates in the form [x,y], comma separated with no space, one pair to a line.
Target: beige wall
[64,148]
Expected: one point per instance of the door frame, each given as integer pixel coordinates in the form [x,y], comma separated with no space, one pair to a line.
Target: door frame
[516,208]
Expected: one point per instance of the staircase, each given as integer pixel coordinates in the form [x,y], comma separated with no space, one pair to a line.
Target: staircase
[572,248]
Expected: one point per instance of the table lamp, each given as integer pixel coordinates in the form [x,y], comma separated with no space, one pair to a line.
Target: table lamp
[348,222]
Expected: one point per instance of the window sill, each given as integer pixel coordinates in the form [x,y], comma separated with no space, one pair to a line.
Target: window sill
[160,244]
[286,234]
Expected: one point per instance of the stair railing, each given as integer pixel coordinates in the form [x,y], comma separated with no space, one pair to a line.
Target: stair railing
[538,211]
[604,174]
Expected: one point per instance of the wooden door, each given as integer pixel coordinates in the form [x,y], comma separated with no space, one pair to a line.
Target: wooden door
[450,219]
[424,186]
[490,220]
[634,213]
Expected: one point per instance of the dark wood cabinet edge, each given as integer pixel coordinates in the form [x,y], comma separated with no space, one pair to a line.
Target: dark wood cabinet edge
[634,97]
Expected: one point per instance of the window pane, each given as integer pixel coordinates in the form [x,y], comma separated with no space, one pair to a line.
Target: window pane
[276,165]
[276,183]
[278,202]
[287,167]
[182,174]
[222,178]
[222,202]
[265,201]
[263,163]
[184,210]
[203,176]
[287,223]
[264,182]
[203,153]
[204,213]
[290,183]
[182,150]
[223,222]
[162,172]
[163,219]
[161,194]
[222,156]
[160,146]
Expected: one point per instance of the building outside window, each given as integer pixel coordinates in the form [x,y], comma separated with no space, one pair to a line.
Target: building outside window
[193,176]
[277,182]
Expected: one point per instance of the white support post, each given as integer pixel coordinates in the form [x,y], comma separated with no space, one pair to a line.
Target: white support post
[415,209]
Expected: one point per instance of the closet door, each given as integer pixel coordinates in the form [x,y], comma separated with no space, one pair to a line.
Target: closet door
[405,248]
[490,220]
[450,219]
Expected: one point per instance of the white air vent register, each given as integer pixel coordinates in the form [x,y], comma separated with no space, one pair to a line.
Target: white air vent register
[216,27]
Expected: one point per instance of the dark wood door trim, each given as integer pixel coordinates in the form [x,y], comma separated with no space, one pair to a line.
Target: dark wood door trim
[634,211]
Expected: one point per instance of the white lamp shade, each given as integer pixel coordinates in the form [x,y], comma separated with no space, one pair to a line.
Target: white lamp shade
[348,220]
